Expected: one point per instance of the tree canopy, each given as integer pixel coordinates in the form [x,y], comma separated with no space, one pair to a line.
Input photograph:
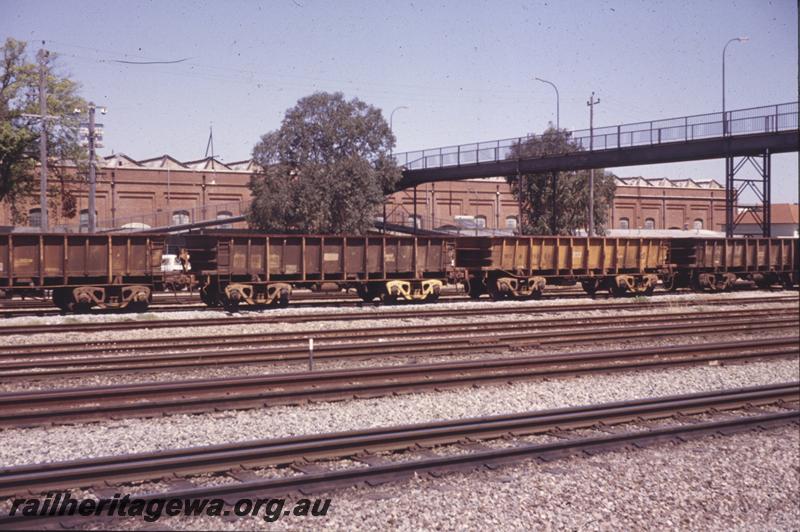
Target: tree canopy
[19,134]
[571,194]
[326,170]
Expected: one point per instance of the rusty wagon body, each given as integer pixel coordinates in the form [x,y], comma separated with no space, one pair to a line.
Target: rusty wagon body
[84,270]
[234,268]
[523,266]
[716,263]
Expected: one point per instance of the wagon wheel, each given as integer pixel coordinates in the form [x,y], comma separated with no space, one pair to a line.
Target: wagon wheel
[617,291]
[695,285]
[138,306]
[649,290]
[388,299]
[61,299]
[209,298]
[365,293]
[764,283]
[495,293]
[80,308]
[283,299]
[474,288]
[590,286]
[230,305]
[668,283]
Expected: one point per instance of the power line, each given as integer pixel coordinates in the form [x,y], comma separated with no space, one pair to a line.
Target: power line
[281,77]
[147,62]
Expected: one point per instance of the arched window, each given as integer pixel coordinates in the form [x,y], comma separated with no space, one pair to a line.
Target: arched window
[181,218]
[465,221]
[624,223]
[222,215]
[480,222]
[649,223]
[418,225]
[511,222]
[698,224]
[35,217]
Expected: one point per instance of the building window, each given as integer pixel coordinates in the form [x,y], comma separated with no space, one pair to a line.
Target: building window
[649,223]
[35,217]
[698,224]
[222,215]
[480,222]
[418,225]
[84,219]
[511,222]
[465,221]
[624,223]
[180,218]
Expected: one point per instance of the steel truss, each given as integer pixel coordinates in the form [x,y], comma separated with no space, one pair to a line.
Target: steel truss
[735,186]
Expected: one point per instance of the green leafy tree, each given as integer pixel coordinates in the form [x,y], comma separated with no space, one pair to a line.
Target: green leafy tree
[326,170]
[572,189]
[19,134]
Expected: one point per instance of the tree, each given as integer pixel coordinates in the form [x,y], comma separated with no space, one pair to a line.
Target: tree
[326,170]
[572,190]
[19,134]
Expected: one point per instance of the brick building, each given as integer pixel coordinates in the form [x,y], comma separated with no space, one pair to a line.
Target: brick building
[164,191]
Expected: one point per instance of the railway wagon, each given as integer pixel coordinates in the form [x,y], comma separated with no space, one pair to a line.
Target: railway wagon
[85,270]
[521,267]
[257,268]
[716,263]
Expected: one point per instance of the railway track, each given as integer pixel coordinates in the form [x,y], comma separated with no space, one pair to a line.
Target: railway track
[478,309]
[194,342]
[362,447]
[202,395]
[186,303]
[428,340]
[306,300]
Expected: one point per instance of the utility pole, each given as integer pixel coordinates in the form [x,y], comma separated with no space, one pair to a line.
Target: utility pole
[92,172]
[42,56]
[391,156]
[94,134]
[591,103]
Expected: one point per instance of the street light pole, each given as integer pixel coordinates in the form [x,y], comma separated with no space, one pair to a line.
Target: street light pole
[591,103]
[391,152]
[724,49]
[558,121]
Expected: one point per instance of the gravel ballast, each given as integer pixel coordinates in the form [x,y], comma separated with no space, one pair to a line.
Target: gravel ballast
[21,446]
[748,481]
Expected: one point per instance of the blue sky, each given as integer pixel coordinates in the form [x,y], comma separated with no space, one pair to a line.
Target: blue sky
[464,69]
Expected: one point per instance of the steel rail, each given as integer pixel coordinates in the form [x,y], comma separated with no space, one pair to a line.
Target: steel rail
[481,309]
[496,457]
[417,345]
[285,451]
[141,346]
[201,395]
[393,472]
